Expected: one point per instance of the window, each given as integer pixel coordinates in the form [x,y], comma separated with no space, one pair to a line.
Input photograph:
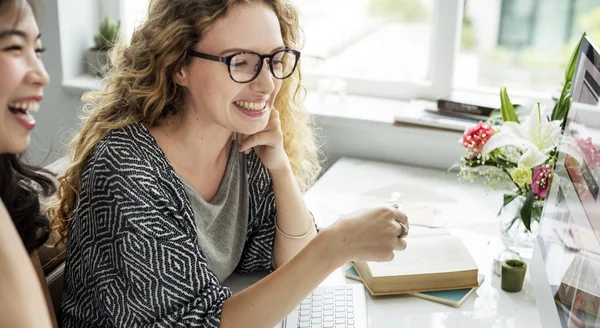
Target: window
[380,47]
[522,44]
[134,12]
[377,47]
[428,48]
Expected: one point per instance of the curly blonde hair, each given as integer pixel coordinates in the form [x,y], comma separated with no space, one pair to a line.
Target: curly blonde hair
[140,88]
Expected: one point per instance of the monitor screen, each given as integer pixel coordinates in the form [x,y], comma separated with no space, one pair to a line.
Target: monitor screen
[565,268]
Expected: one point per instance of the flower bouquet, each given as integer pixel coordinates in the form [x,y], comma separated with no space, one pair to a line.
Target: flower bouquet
[517,153]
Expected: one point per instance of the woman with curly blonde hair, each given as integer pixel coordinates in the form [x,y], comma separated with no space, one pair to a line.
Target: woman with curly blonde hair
[190,166]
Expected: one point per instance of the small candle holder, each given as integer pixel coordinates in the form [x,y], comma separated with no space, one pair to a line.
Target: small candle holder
[513,275]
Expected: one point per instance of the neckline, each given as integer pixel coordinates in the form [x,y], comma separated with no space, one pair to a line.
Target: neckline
[184,182]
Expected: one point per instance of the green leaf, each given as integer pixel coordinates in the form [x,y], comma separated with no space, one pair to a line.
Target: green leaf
[573,61]
[507,199]
[506,108]
[526,210]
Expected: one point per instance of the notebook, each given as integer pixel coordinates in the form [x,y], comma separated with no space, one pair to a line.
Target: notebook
[453,298]
[429,263]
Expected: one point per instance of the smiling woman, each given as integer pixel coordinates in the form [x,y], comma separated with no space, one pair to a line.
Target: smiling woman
[21,89]
[190,166]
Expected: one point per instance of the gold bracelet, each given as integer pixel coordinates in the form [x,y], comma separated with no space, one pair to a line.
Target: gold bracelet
[297,236]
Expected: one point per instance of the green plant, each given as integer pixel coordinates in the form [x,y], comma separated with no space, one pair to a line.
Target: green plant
[561,108]
[108,34]
[402,10]
[468,40]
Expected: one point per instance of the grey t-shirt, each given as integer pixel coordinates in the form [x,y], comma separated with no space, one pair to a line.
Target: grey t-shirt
[222,224]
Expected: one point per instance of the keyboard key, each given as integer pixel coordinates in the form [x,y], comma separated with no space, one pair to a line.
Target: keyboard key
[304,318]
[328,325]
[350,316]
[340,315]
[341,321]
[304,325]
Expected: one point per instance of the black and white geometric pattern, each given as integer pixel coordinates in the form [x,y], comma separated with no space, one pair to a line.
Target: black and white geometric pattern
[133,258]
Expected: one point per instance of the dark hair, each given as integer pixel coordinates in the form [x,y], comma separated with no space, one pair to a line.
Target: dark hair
[20,185]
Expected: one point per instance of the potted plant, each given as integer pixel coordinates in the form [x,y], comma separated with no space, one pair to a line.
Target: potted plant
[97,57]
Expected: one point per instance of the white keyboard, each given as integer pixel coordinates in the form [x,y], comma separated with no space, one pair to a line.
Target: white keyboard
[341,306]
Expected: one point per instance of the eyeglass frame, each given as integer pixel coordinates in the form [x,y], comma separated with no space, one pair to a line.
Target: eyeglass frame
[227,61]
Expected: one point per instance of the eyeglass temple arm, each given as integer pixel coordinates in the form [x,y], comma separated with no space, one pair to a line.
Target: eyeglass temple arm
[207,56]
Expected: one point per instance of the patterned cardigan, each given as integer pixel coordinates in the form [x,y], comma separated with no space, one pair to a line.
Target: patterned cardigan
[133,258]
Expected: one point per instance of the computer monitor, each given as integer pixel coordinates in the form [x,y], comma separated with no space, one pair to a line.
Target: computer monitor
[565,267]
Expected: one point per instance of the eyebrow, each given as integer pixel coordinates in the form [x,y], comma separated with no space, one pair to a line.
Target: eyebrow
[233,50]
[13,32]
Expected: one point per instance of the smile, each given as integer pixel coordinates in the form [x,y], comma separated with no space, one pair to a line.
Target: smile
[255,106]
[22,109]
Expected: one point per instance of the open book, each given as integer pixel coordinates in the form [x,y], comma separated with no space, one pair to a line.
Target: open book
[429,263]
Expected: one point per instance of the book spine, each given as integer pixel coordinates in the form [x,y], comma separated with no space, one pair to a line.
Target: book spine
[456,107]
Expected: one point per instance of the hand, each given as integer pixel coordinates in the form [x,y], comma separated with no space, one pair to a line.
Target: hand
[370,234]
[268,144]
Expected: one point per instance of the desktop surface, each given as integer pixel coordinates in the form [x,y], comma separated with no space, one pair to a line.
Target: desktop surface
[471,215]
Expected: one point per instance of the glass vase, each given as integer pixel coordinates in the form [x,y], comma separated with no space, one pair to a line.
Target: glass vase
[515,236]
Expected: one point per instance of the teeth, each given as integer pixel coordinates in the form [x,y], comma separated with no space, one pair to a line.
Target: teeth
[28,106]
[26,117]
[251,105]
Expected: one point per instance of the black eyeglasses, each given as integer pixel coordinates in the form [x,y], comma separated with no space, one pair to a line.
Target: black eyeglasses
[246,66]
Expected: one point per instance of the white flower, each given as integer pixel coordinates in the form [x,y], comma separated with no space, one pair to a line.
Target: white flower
[536,137]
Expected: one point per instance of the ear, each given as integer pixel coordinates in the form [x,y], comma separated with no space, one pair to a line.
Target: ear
[180,77]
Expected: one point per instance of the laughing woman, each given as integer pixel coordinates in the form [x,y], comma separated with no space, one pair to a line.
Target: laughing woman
[22,79]
[190,166]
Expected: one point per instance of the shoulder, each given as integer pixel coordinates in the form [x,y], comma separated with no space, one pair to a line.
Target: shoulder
[128,149]
[130,158]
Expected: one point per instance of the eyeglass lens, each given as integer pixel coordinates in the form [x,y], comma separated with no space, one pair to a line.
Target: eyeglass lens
[244,67]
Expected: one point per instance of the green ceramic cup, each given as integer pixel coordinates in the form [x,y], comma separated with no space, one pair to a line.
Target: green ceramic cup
[513,275]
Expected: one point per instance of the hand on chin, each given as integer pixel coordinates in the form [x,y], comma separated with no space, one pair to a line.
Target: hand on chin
[267,143]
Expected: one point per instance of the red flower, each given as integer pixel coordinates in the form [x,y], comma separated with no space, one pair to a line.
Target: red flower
[541,180]
[476,137]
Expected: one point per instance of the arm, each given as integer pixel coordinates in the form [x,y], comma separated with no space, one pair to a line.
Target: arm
[292,218]
[365,235]
[296,227]
[21,299]
[267,302]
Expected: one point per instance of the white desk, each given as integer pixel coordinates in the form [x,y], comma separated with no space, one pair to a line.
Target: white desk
[475,222]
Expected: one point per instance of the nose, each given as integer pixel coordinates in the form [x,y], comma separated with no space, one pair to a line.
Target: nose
[264,81]
[37,74]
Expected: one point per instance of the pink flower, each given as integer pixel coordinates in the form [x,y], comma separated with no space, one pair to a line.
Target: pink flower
[542,177]
[590,151]
[476,137]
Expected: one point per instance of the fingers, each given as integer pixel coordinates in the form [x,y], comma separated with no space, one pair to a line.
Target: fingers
[401,245]
[265,138]
[401,217]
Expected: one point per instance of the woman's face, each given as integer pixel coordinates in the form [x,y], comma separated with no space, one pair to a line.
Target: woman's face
[22,76]
[212,95]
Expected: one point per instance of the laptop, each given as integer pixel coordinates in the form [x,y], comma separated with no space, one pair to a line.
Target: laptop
[339,306]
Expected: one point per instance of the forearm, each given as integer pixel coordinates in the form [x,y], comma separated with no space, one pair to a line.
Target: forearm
[21,298]
[293,217]
[267,302]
